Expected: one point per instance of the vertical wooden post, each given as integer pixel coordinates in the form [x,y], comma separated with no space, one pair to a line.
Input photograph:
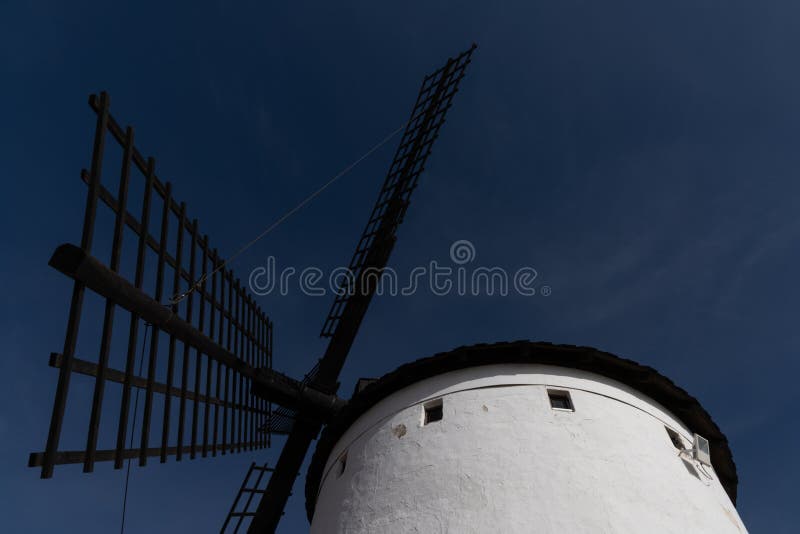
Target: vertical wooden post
[76,303]
[133,333]
[151,364]
[108,314]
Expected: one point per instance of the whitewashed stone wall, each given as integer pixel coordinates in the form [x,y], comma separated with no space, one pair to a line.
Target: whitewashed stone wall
[502,460]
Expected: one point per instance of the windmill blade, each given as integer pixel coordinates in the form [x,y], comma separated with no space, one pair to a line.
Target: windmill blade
[428,115]
[371,256]
[213,358]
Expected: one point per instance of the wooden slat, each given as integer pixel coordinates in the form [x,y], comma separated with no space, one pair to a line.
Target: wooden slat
[108,314]
[152,360]
[36,459]
[176,280]
[186,347]
[133,332]
[88,368]
[198,355]
[101,106]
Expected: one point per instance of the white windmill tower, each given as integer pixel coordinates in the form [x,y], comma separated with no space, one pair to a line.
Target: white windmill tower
[523,437]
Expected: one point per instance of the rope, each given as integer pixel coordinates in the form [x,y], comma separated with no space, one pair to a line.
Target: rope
[196,285]
[133,428]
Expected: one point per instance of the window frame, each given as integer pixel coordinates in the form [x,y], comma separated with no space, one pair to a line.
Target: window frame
[560,394]
[435,407]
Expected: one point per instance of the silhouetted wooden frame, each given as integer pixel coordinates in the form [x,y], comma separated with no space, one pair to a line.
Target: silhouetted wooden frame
[239,317]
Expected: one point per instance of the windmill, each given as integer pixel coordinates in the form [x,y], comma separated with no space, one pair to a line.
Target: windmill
[209,348]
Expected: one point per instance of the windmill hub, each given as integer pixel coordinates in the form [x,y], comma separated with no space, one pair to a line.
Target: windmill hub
[522,437]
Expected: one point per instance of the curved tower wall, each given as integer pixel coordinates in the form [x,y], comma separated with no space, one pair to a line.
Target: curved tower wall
[502,459]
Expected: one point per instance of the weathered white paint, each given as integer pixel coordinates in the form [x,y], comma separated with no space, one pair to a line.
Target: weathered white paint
[502,460]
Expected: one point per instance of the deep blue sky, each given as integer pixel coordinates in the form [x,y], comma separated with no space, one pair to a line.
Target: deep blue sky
[642,158]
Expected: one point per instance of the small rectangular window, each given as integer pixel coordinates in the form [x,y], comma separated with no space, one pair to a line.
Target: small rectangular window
[560,400]
[675,438]
[433,412]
